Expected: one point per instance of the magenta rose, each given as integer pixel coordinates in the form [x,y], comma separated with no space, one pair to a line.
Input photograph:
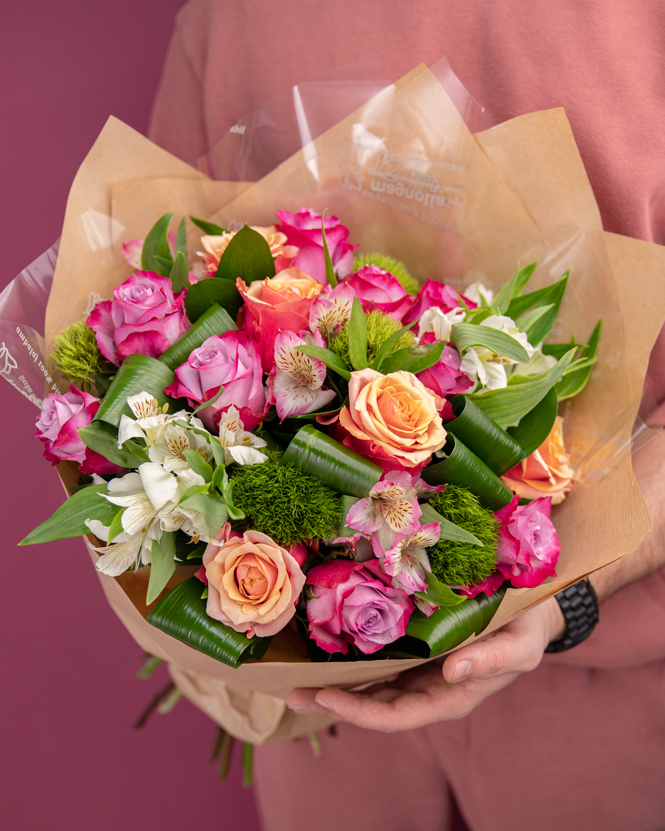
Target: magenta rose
[446,378]
[377,288]
[144,317]
[436,294]
[304,231]
[61,418]
[528,543]
[231,360]
[355,603]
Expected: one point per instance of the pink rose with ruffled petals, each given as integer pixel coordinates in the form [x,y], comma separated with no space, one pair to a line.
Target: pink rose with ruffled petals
[377,288]
[440,295]
[446,378]
[144,317]
[528,543]
[303,230]
[231,360]
[355,603]
[61,418]
[275,305]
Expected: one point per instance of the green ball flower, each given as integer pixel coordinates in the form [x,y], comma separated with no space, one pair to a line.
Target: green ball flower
[380,326]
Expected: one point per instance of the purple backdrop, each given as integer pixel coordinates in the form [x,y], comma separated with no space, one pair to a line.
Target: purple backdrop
[70,758]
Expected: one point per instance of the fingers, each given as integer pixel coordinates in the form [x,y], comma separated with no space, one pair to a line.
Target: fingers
[517,647]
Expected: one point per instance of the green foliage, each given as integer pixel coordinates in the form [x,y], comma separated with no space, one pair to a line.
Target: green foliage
[395,267]
[460,563]
[380,327]
[77,355]
[283,502]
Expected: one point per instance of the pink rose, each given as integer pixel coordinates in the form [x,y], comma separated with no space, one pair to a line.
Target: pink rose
[304,231]
[377,288]
[230,360]
[275,305]
[355,603]
[528,543]
[440,295]
[253,583]
[144,317]
[446,378]
[61,418]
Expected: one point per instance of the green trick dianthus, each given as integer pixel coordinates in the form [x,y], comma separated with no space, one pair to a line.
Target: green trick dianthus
[283,502]
[395,267]
[460,563]
[380,326]
[77,355]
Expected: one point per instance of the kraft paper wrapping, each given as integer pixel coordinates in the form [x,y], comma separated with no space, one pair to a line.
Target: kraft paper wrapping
[408,179]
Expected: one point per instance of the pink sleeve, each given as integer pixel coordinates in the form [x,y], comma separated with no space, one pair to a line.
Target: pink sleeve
[631,630]
[178,122]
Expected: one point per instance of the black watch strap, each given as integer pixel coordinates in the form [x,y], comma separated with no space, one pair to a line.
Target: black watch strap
[579,605]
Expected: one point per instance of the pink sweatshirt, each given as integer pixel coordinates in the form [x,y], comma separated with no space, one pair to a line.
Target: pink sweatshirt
[568,744]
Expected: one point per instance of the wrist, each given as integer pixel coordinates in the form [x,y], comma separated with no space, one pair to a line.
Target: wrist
[556,624]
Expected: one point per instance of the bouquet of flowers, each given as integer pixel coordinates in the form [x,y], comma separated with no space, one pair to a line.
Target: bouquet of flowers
[304,461]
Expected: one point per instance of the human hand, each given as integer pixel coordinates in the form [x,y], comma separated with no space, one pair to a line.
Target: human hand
[435,692]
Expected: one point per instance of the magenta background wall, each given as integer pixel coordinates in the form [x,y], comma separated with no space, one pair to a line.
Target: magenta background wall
[69,757]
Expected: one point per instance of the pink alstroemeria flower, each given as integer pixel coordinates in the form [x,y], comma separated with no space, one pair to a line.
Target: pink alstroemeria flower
[296,380]
[331,310]
[391,510]
[407,562]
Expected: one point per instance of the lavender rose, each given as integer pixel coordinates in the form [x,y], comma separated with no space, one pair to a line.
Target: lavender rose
[61,418]
[303,230]
[355,603]
[230,360]
[144,317]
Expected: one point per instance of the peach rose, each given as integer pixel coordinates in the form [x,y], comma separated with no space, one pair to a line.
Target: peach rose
[253,583]
[215,246]
[545,472]
[274,305]
[393,419]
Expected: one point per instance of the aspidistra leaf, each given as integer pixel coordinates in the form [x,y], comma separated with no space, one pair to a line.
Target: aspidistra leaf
[329,358]
[389,344]
[414,359]
[358,336]
[69,519]
[466,335]
[198,464]
[162,565]
[513,288]
[103,439]
[331,280]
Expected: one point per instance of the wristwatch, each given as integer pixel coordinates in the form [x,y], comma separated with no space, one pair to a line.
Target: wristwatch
[579,605]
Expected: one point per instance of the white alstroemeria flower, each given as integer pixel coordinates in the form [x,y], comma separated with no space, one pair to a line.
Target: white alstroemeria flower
[438,322]
[149,419]
[508,325]
[538,363]
[407,562]
[483,367]
[476,293]
[239,445]
[173,517]
[170,444]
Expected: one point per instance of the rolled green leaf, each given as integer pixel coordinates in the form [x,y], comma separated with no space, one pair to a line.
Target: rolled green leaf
[329,358]
[208,227]
[247,256]
[214,321]
[460,466]
[466,335]
[449,531]
[535,427]
[450,626]
[358,336]
[69,519]
[138,373]
[347,502]
[156,253]
[182,614]
[513,288]
[414,359]
[574,382]
[483,436]
[206,293]
[162,565]
[510,404]
[335,465]
[180,272]
[103,439]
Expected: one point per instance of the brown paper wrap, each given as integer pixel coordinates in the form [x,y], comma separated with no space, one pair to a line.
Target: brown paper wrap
[409,180]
